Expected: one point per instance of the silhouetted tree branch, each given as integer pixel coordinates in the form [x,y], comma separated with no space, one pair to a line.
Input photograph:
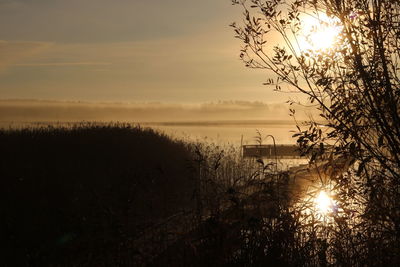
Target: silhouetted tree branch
[353,82]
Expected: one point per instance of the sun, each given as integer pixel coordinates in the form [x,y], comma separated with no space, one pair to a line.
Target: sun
[323,203]
[324,38]
[319,33]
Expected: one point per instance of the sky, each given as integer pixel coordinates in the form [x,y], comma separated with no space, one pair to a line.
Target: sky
[170,51]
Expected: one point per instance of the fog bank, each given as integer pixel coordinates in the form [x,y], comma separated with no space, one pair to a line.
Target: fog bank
[51,111]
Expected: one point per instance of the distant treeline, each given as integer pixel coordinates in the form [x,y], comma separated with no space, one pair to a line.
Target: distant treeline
[40,110]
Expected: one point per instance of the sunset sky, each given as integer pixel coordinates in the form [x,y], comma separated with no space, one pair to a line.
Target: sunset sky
[173,51]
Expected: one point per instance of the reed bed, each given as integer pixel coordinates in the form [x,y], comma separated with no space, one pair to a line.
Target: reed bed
[117,194]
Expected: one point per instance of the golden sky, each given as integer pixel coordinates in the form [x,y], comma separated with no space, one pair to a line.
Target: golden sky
[174,51]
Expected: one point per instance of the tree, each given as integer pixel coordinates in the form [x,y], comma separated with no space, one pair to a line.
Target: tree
[353,82]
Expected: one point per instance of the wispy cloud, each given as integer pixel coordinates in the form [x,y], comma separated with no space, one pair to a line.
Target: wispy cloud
[14,52]
[62,64]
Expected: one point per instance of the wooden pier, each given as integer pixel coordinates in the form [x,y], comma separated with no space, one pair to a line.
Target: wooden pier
[268,151]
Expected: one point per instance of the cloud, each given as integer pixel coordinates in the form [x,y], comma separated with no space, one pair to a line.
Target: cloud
[14,52]
[80,21]
[172,70]
[62,64]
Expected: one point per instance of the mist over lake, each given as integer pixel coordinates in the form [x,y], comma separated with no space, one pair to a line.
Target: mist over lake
[221,122]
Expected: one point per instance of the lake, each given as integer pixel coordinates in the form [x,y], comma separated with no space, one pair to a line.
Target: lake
[228,132]
[220,132]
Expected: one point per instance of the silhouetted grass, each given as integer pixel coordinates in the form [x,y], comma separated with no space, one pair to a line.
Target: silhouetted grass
[79,194]
[120,195]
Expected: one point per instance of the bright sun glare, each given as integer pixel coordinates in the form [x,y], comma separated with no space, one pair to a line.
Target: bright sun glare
[323,203]
[319,33]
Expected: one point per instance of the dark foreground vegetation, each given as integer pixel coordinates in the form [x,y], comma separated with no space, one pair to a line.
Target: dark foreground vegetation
[79,195]
[117,195]
[354,83]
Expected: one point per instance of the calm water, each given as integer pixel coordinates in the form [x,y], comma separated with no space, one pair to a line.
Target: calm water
[229,133]
[234,133]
